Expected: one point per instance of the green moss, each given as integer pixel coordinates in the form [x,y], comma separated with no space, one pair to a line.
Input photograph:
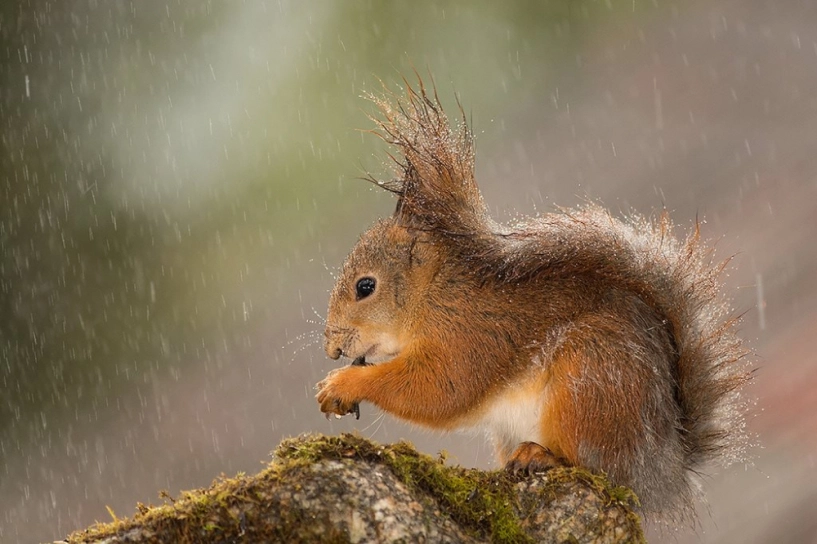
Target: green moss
[598,482]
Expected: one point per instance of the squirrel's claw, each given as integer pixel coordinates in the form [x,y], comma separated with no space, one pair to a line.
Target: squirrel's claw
[530,457]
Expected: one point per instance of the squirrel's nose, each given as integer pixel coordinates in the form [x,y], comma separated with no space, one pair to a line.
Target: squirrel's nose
[333,342]
[332,350]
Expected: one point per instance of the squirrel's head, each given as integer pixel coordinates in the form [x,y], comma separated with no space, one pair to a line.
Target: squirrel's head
[377,299]
[372,300]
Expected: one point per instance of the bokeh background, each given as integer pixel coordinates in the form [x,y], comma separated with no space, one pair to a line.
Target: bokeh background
[178,183]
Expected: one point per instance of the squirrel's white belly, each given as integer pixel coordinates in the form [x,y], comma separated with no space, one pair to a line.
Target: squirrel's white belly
[513,416]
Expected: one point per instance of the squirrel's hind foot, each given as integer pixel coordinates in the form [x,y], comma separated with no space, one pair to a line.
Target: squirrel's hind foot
[530,457]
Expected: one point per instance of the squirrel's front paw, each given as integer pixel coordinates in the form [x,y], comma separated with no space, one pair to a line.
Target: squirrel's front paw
[333,395]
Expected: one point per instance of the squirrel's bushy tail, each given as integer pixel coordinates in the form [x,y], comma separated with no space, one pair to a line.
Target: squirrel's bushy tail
[680,280]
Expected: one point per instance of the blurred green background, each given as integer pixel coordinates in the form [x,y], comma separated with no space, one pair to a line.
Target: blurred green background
[178,183]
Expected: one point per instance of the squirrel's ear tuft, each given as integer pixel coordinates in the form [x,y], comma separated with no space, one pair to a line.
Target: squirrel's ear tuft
[435,176]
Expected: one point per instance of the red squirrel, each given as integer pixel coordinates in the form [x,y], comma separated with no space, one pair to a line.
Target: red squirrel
[573,338]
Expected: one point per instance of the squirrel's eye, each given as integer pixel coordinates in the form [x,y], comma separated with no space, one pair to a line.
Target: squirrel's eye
[364,287]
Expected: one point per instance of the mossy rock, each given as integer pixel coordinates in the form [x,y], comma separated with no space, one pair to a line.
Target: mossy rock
[349,489]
